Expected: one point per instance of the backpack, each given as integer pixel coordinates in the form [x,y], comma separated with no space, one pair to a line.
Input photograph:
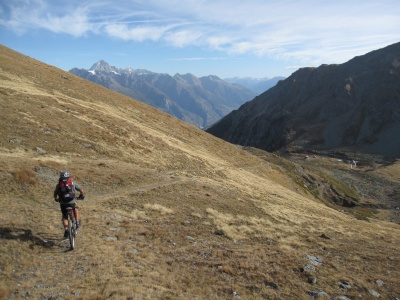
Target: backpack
[67,190]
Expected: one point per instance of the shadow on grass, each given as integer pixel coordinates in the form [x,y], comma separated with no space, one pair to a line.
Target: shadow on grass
[25,235]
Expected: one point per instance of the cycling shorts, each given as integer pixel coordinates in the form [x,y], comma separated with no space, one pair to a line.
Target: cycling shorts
[64,211]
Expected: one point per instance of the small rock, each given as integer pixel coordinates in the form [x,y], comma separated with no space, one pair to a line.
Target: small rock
[202,254]
[374,293]
[171,242]
[111,238]
[308,268]
[236,295]
[54,295]
[344,285]
[312,280]
[219,232]
[317,293]
[316,261]
[272,285]
[40,150]
[14,141]
[341,298]
[324,236]
[379,282]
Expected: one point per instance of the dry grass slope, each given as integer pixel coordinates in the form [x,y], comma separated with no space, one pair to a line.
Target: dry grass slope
[171,212]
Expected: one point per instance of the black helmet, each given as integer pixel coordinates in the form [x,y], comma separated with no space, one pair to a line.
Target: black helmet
[64,174]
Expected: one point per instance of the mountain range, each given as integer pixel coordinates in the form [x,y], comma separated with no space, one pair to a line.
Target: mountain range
[199,101]
[354,106]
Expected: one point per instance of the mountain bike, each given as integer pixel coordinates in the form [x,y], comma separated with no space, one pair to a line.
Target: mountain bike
[72,230]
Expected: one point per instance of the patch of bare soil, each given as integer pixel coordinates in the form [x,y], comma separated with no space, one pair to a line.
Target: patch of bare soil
[170,211]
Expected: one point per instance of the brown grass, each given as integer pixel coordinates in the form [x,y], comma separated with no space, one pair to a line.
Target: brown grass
[171,212]
[25,176]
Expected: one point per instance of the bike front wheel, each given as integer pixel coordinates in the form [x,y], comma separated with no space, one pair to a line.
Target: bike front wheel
[71,233]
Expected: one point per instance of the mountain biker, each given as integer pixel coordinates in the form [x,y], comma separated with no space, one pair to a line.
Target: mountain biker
[59,196]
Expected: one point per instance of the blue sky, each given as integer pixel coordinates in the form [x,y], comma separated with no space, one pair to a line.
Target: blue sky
[227,38]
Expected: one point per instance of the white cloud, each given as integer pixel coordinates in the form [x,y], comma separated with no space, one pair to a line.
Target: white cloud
[137,33]
[36,14]
[219,42]
[310,31]
[76,23]
[181,38]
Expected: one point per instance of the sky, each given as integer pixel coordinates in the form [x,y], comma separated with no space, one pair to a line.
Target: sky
[226,38]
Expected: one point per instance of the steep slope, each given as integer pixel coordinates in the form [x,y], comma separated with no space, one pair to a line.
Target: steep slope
[199,101]
[171,212]
[353,106]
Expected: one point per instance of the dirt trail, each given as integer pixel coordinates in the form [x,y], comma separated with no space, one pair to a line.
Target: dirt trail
[45,273]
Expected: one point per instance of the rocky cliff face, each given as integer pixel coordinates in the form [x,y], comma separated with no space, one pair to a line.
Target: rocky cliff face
[355,106]
[199,101]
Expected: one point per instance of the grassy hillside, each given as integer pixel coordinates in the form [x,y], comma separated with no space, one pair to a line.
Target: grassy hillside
[171,212]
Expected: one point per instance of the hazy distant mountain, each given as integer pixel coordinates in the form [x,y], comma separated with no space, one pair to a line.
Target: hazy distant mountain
[200,101]
[257,85]
[355,105]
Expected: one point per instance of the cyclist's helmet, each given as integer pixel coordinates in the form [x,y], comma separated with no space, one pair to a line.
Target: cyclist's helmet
[64,174]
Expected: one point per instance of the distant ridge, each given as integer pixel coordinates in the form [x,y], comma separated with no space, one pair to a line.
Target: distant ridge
[199,101]
[353,106]
[257,85]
